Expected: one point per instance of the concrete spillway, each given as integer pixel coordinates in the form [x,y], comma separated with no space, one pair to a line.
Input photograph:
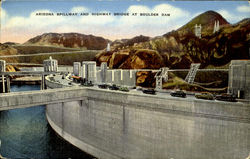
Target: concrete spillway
[110,124]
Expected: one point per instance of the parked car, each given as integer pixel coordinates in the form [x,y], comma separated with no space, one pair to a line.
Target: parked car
[178,93]
[113,87]
[204,95]
[139,88]
[226,97]
[149,91]
[103,86]
[88,84]
[124,89]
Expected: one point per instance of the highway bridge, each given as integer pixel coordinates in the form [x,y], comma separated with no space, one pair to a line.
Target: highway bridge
[40,97]
[51,53]
[75,93]
[25,64]
[182,70]
[28,73]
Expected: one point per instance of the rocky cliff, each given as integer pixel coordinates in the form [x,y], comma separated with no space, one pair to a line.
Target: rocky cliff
[180,48]
[72,40]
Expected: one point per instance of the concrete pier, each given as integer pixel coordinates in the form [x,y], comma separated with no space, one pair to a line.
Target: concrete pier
[8,84]
[42,82]
[3,85]
[239,78]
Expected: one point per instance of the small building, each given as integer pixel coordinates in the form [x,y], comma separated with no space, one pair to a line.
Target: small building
[50,65]
[108,47]
[197,30]
[89,71]
[77,68]
[104,68]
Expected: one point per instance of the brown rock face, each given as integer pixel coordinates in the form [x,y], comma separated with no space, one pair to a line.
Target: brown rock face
[118,58]
[103,57]
[10,68]
[72,40]
[143,58]
[130,42]
[145,79]
[178,49]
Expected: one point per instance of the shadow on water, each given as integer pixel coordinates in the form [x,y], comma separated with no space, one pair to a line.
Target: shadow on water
[25,133]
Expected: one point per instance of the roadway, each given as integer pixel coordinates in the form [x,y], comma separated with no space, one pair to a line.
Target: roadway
[77,92]
[182,70]
[190,96]
[28,73]
[24,64]
[51,53]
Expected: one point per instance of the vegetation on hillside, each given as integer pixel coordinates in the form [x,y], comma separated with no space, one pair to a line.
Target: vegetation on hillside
[179,48]
[71,40]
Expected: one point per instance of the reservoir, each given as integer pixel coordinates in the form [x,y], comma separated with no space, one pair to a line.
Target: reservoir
[25,133]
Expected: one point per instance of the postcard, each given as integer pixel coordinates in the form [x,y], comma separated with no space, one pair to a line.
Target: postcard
[125,79]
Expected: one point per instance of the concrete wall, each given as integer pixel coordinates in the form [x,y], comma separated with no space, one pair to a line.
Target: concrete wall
[2,66]
[120,77]
[239,78]
[133,125]
[113,124]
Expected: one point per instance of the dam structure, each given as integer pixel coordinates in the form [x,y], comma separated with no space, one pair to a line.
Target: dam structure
[115,124]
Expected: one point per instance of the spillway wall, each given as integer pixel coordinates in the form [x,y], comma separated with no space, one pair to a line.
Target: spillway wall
[110,124]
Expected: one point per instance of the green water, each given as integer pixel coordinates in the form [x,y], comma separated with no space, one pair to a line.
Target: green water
[25,133]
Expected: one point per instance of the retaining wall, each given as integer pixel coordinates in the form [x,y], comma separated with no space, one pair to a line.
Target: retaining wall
[110,124]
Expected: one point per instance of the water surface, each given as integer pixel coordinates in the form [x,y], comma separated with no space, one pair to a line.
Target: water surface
[25,133]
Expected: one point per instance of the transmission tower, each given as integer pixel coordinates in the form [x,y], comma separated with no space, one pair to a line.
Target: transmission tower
[192,72]
[161,75]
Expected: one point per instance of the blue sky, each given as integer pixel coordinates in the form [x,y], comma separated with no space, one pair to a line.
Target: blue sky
[19,22]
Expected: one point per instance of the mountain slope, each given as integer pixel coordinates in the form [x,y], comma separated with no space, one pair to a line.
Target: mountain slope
[180,48]
[207,20]
[8,50]
[72,40]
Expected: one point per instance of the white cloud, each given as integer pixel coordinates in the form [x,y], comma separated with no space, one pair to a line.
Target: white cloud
[97,20]
[3,16]
[79,9]
[33,21]
[232,18]
[106,26]
[3,13]
[244,8]
[176,14]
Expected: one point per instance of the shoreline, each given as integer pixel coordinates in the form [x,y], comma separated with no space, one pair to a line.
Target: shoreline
[26,80]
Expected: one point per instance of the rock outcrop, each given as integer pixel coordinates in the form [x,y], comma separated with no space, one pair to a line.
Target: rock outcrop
[180,48]
[72,40]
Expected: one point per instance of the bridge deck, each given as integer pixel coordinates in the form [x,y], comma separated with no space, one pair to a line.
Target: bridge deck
[76,93]
[51,53]
[30,73]
[40,97]
[47,73]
